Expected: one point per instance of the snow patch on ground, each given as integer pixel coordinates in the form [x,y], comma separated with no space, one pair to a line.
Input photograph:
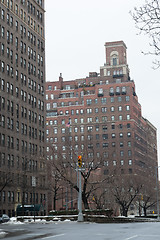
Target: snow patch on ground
[67,220]
[13,220]
[2,234]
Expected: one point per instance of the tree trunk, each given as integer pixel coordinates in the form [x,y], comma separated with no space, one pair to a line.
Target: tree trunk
[145,211]
[85,201]
[140,212]
[124,211]
[54,203]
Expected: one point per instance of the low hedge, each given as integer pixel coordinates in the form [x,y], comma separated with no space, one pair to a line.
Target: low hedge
[105,212]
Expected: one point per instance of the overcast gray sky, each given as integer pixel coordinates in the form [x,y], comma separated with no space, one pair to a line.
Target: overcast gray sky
[76,31]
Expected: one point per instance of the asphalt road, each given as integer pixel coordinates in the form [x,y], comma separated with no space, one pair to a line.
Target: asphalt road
[82,231]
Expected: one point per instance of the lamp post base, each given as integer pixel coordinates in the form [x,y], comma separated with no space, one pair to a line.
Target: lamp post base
[80,217]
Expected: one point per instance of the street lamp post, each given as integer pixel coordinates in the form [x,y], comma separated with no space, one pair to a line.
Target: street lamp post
[80,215]
[34,185]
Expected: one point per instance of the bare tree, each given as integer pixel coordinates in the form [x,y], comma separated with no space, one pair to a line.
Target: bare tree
[54,184]
[6,181]
[66,166]
[147,20]
[147,198]
[99,198]
[125,191]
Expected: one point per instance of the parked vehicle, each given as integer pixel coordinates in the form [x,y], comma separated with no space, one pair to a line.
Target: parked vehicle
[4,218]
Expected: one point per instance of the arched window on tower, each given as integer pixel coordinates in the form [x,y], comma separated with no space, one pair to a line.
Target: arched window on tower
[114,58]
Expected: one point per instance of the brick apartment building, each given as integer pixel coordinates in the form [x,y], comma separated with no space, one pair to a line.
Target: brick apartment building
[102,113]
[22,105]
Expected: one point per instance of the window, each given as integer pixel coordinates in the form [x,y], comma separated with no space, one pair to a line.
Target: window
[63,121]
[100,91]
[97,136]
[97,128]
[113,135]
[128,117]
[104,109]
[117,90]
[63,130]
[89,101]
[129,144]
[113,126]
[105,145]
[119,99]
[75,129]
[129,162]
[89,110]
[129,153]
[112,118]
[96,119]
[48,106]
[104,119]
[114,163]
[76,138]
[123,90]
[120,108]
[2,32]
[2,49]
[120,117]
[127,98]
[105,155]
[96,110]
[104,128]
[121,135]
[112,109]
[122,162]
[128,134]
[2,14]
[63,148]
[76,120]
[121,144]
[90,155]
[89,119]
[81,111]
[55,130]
[82,138]
[114,61]
[127,108]
[2,66]
[111,91]
[105,136]
[104,100]
[121,153]
[54,105]
[17,92]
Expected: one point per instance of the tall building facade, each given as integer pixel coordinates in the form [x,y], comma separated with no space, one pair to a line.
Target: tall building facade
[102,108]
[22,105]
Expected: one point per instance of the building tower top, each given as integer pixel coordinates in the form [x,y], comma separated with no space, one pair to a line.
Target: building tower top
[116,60]
[115,53]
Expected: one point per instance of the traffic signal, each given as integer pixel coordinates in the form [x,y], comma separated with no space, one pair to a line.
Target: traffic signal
[80,161]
